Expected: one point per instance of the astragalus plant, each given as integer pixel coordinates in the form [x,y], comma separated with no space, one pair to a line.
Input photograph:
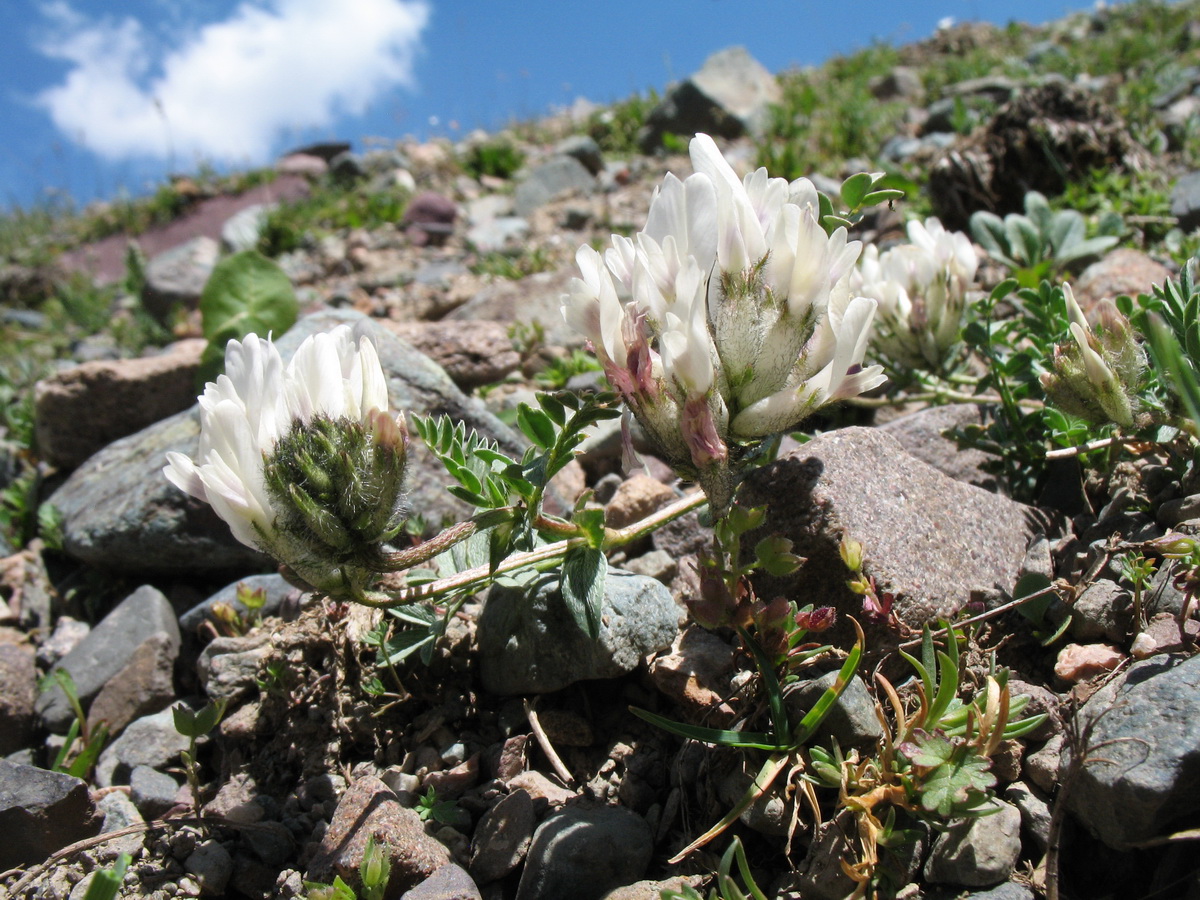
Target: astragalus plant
[727,319]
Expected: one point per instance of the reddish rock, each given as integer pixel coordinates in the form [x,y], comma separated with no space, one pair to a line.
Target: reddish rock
[695,672]
[18,691]
[370,809]
[1079,661]
[503,837]
[636,498]
[84,409]
[1123,271]
[472,353]
[429,219]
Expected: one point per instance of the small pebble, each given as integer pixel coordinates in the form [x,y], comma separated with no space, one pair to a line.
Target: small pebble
[1079,661]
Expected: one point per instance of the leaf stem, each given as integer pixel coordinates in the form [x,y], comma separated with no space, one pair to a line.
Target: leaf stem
[613,537]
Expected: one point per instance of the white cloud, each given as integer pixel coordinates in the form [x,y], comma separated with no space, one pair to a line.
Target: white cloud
[226,92]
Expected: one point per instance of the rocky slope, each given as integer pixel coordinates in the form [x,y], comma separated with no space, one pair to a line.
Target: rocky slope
[509,765]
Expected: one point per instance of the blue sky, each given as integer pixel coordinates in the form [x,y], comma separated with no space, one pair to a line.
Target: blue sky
[98,98]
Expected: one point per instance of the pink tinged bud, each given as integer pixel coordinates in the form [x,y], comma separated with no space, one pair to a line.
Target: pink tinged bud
[1173,545]
[820,619]
[700,433]
[877,607]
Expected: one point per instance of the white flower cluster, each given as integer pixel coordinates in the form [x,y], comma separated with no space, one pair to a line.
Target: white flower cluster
[258,402]
[729,318]
[922,290]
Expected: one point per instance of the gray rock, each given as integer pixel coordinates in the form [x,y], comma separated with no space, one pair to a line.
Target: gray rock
[979,851]
[1010,890]
[1162,596]
[1042,767]
[152,791]
[67,635]
[821,876]
[1185,201]
[229,666]
[40,813]
[585,853]
[536,298]
[80,410]
[552,179]
[120,513]
[502,837]
[150,741]
[472,353]
[211,865]
[901,83]
[145,684]
[657,564]
[18,692]
[144,618]
[1102,612]
[929,539]
[924,435]
[583,148]
[1147,778]
[496,234]
[851,720]
[243,229]
[278,594]
[1120,271]
[730,96]
[450,882]
[271,842]
[346,168]
[176,277]
[1035,813]
[119,814]
[531,645]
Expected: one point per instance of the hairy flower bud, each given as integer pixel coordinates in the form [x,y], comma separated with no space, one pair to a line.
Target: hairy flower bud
[303,462]
[1096,375]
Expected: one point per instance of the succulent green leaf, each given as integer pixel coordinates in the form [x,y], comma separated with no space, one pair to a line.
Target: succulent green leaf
[854,190]
[246,293]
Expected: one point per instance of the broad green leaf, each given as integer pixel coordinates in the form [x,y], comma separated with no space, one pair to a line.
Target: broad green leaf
[582,586]
[245,294]
[1029,584]
[1092,247]
[854,189]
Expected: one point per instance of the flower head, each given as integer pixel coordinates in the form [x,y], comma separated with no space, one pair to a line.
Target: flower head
[922,289]
[302,461]
[727,319]
[1097,373]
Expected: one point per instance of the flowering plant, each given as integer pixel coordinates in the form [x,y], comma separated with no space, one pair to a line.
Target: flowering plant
[728,319]
[302,461]
[922,290]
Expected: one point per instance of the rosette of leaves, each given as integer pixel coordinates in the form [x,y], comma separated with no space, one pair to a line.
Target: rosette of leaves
[1037,243]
